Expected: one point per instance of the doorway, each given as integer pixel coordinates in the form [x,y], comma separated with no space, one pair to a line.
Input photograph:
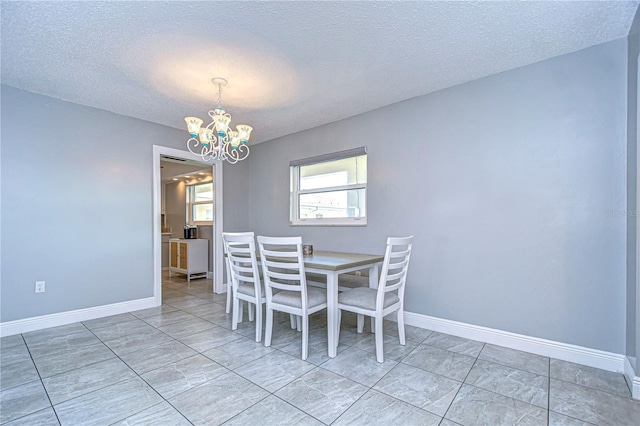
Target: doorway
[160,155]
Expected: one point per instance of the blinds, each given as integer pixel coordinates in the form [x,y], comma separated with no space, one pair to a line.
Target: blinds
[330,157]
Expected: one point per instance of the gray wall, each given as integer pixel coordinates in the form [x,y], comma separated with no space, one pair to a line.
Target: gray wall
[175,208]
[76,205]
[633,298]
[505,182]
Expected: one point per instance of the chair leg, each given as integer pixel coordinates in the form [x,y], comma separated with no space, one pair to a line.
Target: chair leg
[229,297]
[338,325]
[292,318]
[298,324]
[305,336]
[250,307]
[258,322]
[241,311]
[379,339]
[237,308]
[360,323]
[268,328]
[401,327]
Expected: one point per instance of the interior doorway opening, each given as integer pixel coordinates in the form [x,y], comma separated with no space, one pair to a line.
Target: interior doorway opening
[171,210]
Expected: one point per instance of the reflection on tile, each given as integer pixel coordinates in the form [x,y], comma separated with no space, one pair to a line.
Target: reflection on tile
[183,375]
[43,348]
[168,318]
[21,400]
[60,362]
[86,379]
[217,401]
[108,321]
[318,349]
[9,341]
[137,342]
[185,301]
[273,411]
[518,384]
[589,377]
[439,361]
[121,329]
[162,309]
[47,334]
[274,370]
[415,334]
[556,419]
[220,318]
[17,373]
[359,366]
[592,405]
[393,350]
[322,394]
[109,404]
[14,354]
[516,359]
[160,414]
[186,328]
[474,406]
[157,356]
[455,344]
[205,309]
[209,339]
[237,353]
[45,417]
[375,408]
[425,390]
[447,422]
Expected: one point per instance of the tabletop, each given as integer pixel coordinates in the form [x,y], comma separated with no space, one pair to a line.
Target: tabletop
[335,261]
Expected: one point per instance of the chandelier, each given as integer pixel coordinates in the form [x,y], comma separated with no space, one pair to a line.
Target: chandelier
[217,141]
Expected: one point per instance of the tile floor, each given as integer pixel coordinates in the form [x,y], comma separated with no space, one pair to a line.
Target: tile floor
[180,364]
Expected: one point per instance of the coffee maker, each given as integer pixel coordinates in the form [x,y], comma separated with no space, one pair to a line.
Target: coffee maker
[190,232]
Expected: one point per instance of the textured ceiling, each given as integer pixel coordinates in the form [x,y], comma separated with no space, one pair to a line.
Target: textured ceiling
[290,65]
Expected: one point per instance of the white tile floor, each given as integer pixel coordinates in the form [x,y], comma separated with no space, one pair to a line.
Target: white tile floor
[180,364]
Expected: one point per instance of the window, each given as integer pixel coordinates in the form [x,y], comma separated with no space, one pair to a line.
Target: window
[200,203]
[330,189]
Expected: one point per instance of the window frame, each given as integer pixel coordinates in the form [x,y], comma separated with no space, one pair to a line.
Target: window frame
[296,192]
[190,191]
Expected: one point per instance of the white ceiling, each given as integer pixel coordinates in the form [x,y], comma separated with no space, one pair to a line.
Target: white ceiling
[291,66]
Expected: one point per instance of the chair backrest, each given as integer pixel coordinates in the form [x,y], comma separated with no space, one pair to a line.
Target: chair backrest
[283,265]
[240,249]
[394,269]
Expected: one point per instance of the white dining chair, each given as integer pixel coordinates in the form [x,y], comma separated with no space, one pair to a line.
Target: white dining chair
[286,285]
[245,278]
[387,298]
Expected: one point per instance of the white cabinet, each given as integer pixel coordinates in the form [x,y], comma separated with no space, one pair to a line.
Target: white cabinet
[189,257]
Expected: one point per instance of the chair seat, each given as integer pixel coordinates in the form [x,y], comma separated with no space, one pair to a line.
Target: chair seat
[250,290]
[315,297]
[365,298]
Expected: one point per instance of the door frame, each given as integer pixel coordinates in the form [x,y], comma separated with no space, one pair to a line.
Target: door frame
[217,258]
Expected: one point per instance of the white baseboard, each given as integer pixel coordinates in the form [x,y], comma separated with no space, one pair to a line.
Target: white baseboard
[564,351]
[63,318]
[632,380]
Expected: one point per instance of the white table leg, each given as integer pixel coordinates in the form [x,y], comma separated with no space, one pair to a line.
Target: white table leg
[373,283]
[332,313]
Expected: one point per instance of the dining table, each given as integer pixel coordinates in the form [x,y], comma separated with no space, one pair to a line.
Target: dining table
[332,264]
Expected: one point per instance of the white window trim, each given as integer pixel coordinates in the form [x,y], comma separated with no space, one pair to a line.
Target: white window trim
[190,205]
[295,192]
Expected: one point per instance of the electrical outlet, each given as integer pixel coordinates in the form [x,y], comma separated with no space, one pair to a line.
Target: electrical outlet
[39,286]
[358,273]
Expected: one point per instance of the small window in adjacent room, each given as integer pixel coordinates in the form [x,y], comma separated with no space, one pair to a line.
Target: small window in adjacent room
[200,203]
[330,189]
